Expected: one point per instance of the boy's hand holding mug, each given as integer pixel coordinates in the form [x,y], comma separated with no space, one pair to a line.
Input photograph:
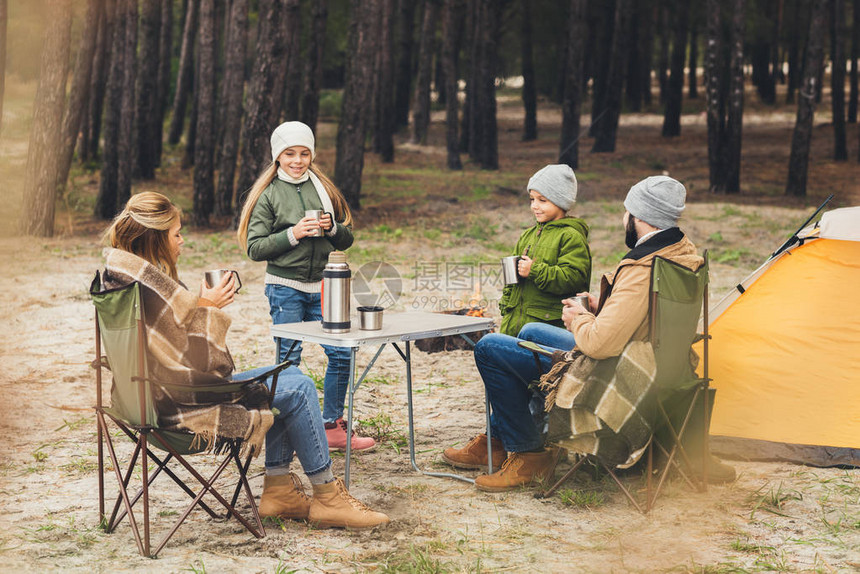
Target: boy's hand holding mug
[524,267]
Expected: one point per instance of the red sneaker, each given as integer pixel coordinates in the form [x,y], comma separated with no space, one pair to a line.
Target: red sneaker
[335,433]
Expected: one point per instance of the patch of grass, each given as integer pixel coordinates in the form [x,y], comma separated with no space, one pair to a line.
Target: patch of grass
[582,498]
[716,237]
[198,567]
[39,455]
[732,256]
[381,428]
[74,424]
[432,234]
[772,500]
[80,465]
[612,258]
[415,560]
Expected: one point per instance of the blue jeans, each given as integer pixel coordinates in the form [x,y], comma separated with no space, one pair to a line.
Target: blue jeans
[298,425]
[507,371]
[288,305]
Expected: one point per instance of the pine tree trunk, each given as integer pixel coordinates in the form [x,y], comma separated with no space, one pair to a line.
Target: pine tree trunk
[314,65]
[675,90]
[384,132]
[607,128]
[802,138]
[663,59]
[734,123]
[439,70]
[281,39]
[794,55]
[125,146]
[484,139]
[775,66]
[837,79]
[89,144]
[693,89]
[855,54]
[257,126]
[40,186]
[647,52]
[4,26]
[572,105]
[426,49]
[468,132]
[204,148]
[233,92]
[294,62]
[602,53]
[165,57]
[146,115]
[80,91]
[529,87]
[352,130]
[451,30]
[713,73]
[633,78]
[403,80]
[185,75]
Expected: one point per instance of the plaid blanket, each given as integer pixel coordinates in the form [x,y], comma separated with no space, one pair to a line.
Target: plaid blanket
[186,348]
[603,408]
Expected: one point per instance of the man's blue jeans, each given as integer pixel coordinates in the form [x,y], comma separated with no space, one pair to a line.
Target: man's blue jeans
[288,305]
[507,370]
[298,424]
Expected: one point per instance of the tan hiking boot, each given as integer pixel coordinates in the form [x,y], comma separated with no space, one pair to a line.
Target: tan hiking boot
[520,469]
[474,454]
[284,497]
[332,506]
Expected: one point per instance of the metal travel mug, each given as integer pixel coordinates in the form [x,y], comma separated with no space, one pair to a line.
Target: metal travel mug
[215,276]
[370,318]
[509,269]
[316,214]
[581,299]
[335,294]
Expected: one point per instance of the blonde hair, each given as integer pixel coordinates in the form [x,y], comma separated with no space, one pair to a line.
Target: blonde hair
[141,228]
[342,214]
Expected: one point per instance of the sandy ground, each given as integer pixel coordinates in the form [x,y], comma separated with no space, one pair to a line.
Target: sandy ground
[774,517]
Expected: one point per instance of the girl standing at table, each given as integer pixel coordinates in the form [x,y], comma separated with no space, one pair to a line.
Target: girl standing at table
[273,227]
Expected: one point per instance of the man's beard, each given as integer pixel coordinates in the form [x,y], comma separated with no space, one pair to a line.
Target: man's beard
[630,235]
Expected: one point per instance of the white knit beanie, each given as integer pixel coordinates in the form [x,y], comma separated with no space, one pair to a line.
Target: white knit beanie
[557,183]
[657,200]
[290,134]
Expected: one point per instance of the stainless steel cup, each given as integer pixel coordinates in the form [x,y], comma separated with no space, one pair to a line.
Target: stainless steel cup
[581,299]
[214,277]
[509,269]
[370,318]
[316,214]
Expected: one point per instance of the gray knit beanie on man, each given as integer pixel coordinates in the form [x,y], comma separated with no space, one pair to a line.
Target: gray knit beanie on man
[657,200]
[557,183]
[290,134]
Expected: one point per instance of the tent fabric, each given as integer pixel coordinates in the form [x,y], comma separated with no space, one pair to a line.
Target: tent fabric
[785,355]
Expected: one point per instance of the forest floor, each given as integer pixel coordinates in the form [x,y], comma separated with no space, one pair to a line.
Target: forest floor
[441,232]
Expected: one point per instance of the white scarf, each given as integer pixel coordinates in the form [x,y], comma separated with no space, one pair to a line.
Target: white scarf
[318,186]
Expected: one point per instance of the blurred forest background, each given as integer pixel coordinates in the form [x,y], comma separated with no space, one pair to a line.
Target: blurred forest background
[183,94]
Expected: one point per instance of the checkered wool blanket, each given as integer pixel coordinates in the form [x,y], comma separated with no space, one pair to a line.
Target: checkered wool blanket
[186,348]
[603,408]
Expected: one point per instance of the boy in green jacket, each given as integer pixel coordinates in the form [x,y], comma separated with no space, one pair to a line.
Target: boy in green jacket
[555,259]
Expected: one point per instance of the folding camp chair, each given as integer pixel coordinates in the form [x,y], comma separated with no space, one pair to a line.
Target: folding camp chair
[677,295]
[120,328]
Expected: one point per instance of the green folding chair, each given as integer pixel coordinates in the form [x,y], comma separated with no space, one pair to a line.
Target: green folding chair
[678,296]
[121,334]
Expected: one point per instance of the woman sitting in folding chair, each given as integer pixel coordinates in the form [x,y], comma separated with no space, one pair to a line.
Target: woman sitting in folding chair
[187,345]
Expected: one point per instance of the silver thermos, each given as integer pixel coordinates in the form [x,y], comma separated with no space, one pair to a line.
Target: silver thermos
[336,294]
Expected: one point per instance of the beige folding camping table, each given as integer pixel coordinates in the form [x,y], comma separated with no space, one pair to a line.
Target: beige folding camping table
[396,328]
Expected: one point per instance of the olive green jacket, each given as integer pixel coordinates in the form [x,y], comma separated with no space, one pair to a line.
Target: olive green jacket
[280,206]
[561,268]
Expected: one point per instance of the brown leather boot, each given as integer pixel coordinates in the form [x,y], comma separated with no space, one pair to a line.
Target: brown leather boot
[284,497]
[520,469]
[474,454]
[332,506]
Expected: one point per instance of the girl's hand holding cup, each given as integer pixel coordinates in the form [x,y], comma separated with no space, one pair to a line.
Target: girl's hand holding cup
[221,294]
[326,222]
[306,227]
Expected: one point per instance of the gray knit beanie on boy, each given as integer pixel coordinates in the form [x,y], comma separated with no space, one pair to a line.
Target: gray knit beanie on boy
[657,200]
[557,183]
[290,134]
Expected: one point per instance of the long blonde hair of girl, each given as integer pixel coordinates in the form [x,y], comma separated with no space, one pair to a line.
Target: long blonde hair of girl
[141,228]
[342,214]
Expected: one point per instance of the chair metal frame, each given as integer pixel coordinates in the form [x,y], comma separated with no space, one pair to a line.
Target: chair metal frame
[700,384]
[142,436]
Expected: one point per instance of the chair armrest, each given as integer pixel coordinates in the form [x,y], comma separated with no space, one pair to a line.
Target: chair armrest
[534,348]
[276,370]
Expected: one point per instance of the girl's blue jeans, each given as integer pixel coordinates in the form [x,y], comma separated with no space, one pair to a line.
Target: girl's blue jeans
[298,424]
[507,371]
[288,305]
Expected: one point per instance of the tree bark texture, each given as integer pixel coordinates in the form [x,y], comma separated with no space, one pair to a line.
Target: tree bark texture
[89,145]
[125,146]
[607,128]
[426,50]
[146,115]
[663,60]
[352,130]
[647,50]
[572,104]
[693,82]
[601,56]
[451,30]
[4,27]
[855,54]
[231,102]
[529,87]
[837,79]
[204,148]
[310,105]
[470,53]
[405,42]
[165,57]
[257,126]
[79,92]
[734,124]
[281,37]
[483,139]
[384,92]
[40,186]
[185,75]
[675,90]
[633,80]
[295,64]
[801,140]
